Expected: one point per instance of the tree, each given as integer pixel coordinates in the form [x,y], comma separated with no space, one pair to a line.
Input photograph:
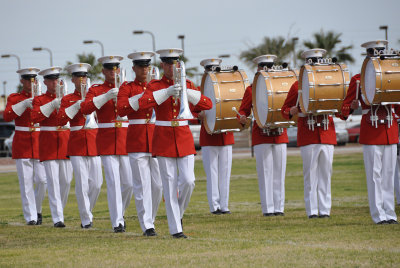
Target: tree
[278,46]
[95,72]
[329,42]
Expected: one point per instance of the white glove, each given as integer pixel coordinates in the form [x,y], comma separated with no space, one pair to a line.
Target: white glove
[49,107]
[99,101]
[20,107]
[193,96]
[134,101]
[72,110]
[163,94]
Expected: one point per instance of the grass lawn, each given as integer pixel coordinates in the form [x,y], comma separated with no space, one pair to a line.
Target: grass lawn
[245,238]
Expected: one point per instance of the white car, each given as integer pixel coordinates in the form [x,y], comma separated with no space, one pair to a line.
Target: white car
[8,144]
[195,128]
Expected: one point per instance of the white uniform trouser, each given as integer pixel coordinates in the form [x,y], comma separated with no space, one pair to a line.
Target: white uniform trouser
[31,172]
[59,177]
[317,172]
[118,176]
[217,163]
[379,163]
[88,180]
[177,188]
[397,180]
[271,169]
[147,187]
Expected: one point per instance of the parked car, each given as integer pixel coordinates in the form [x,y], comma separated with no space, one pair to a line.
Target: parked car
[195,128]
[6,130]
[8,144]
[354,133]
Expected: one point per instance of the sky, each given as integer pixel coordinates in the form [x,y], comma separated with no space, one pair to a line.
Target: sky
[211,28]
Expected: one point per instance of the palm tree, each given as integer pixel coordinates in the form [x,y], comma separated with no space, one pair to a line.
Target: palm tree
[95,71]
[277,46]
[329,42]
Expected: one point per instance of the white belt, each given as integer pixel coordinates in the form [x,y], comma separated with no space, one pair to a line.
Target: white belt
[171,123]
[139,121]
[76,128]
[112,125]
[28,129]
[52,128]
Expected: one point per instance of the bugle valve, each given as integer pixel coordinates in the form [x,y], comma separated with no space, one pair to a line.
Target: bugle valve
[179,74]
[90,121]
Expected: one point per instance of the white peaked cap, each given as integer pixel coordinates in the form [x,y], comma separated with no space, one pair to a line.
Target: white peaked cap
[28,71]
[208,62]
[170,52]
[110,59]
[375,44]
[313,53]
[52,70]
[264,58]
[141,55]
[78,68]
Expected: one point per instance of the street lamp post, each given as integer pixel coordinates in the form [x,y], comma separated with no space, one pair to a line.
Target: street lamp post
[152,38]
[182,37]
[15,56]
[294,40]
[5,95]
[97,42]
[224,56]
[385,27]
[48,50]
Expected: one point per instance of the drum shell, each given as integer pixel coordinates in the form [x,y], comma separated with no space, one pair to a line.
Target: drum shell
[328,85]
[387,74]
[226,90]
[274,87]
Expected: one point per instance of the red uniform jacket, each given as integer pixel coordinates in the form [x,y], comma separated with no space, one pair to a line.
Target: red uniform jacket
[112,140]
[140,136]
[220,139]
[306,136]
[171,141]
[25,143]
[52,144]
[370,135]
[258,137]
[81,142]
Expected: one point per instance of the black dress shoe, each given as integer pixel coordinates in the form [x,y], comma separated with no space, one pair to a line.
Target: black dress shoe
[279,214]
[119,229]
[87,226]
[31,223]
[382,222]
[391,221]
[226,212]
[217,212]
[124,224]
[150,232]
[39,219]
[179,235]
[268,214]
[59,224]
[312,216]
[324,216]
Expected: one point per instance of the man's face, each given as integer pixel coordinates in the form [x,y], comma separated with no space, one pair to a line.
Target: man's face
[26,85]
[109,74]
[51,84]
[168,69]
[78,81]
[141,72]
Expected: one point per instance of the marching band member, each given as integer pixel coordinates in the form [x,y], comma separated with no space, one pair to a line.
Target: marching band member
[53,141]
[270,151]
[25,149]
[81,146]
[111,141]
[172,140]
[379,146]
[316,147]
[147,186]
[216,151]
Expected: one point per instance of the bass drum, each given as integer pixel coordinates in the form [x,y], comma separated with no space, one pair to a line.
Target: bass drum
[323,87]
[380,80]
[226,90]
[270,90]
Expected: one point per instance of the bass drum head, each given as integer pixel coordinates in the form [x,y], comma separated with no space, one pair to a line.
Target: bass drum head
[305,87]
[370,81]
[210,114]
[261,99]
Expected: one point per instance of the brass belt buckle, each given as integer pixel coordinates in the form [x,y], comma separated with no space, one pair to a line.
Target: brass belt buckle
[32,129]
[147,120]
[174,123]
[118,124]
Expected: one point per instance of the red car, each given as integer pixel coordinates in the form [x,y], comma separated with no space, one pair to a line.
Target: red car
[354,133]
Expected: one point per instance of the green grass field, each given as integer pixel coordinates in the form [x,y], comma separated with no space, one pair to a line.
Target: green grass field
[245,238]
